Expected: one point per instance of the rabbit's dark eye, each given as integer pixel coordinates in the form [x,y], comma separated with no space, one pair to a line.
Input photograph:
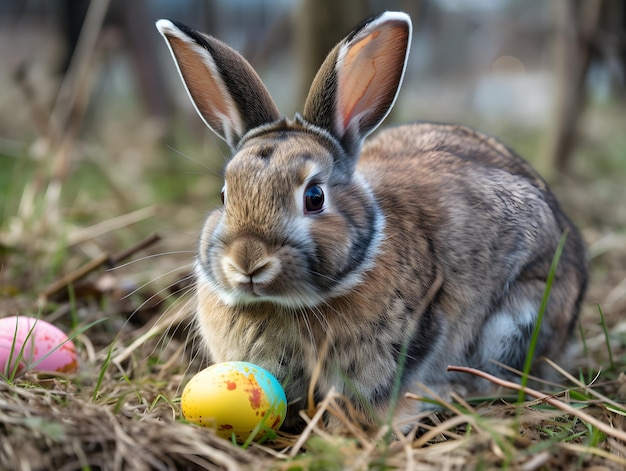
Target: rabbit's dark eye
[313,199]
[223,195]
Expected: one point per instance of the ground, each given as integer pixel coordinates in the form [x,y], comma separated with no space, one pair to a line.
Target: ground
[98,228]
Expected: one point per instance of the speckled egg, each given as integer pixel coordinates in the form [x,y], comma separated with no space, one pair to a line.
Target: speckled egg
[42,346]
[233,398]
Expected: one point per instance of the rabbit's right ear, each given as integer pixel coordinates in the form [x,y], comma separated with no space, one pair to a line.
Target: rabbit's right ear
[358,82]
[226,91]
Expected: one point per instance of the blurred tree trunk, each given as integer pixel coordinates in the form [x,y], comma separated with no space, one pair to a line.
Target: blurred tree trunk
[320,25]
[577,26]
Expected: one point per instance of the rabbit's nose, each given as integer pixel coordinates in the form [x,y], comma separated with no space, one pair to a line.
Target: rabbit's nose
[248,263]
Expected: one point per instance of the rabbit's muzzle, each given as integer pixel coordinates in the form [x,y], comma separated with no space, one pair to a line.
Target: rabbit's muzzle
[248,268]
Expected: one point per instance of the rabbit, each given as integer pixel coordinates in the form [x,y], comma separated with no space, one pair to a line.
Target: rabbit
[368,267]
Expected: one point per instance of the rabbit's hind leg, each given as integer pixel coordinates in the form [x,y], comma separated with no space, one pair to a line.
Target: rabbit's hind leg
[506,335]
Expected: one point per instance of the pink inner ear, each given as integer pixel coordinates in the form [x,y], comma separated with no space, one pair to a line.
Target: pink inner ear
[357,84]
[205,87]
[369,74]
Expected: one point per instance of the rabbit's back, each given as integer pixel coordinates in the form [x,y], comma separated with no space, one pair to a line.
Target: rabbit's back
[492,227]
[447,148]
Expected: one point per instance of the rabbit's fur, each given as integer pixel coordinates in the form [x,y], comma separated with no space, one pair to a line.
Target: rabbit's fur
[432,246]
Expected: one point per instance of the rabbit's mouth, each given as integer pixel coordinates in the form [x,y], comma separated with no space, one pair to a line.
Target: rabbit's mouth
[247,294]
[284,295]
[250,292]
[248,272]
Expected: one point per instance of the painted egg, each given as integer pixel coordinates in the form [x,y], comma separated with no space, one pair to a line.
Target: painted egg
[34,344]
[235,398]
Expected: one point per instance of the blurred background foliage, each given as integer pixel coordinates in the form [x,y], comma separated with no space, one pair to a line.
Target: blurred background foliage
[99,144]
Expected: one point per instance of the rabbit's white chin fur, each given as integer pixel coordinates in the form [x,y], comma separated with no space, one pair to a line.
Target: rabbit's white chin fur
[252,294]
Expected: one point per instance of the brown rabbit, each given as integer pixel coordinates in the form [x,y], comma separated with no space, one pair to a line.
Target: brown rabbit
[429,245]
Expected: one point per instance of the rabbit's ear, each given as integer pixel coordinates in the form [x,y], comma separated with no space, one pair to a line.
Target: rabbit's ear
[227,93]
[358,82]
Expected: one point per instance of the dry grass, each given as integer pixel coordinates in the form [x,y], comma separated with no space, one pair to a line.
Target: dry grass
[65,205]
[122,411]
[131,420]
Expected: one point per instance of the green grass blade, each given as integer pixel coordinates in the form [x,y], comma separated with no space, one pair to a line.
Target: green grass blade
[583,340]
[606,338]
[105,367]
[13,363]
[70,337]
[542,309]
[73,305]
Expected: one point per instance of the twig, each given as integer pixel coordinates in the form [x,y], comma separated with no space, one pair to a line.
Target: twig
[112,224]
[535,379]
[142,244]
[70,278]
[620,435]
[581,385]
[102,259]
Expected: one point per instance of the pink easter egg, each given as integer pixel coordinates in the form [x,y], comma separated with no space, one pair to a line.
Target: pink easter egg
[43,346]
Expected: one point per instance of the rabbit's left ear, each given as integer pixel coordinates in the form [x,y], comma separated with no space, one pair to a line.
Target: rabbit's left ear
[226,91]
[358,82]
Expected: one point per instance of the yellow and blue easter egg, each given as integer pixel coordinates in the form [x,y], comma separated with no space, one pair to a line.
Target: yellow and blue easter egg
[235,398]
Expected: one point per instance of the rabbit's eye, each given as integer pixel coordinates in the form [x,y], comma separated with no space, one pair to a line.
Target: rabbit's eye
[223,195]
[313,199]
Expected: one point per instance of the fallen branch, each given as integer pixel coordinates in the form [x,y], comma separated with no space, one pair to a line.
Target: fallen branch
[102,259]
[549,399]
[72,277]
[142,244]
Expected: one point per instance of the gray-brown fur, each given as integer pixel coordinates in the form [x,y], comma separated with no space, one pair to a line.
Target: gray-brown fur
[434,251]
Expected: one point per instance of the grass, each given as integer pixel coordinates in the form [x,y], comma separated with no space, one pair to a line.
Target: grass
[606,337]
[123,407]
[530,356]
[129,322]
